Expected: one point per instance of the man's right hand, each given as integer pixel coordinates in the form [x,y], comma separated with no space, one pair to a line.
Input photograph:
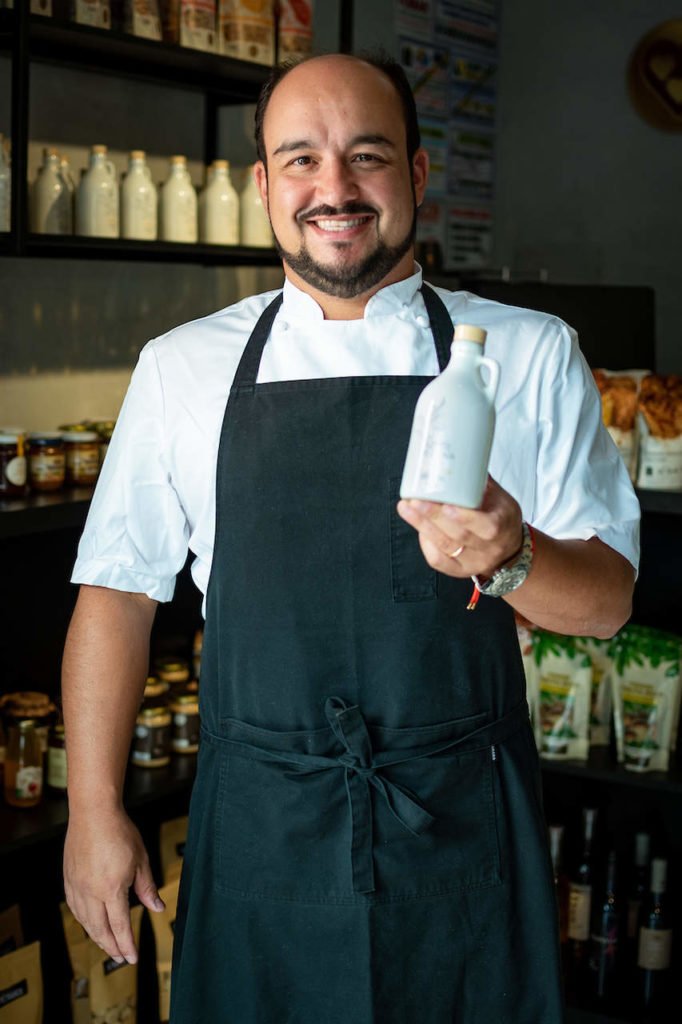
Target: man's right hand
[103,857]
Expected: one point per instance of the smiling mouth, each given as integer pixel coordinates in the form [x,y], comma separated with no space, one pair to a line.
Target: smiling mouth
[339,224]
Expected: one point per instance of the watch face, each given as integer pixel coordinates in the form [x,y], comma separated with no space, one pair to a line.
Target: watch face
[506,580]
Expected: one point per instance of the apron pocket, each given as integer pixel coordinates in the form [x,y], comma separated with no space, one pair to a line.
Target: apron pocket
[284,833]
[412,578]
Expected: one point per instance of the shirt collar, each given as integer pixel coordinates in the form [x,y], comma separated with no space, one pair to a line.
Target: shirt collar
[298,304]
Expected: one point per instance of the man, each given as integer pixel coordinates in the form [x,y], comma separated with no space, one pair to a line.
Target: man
[366,837]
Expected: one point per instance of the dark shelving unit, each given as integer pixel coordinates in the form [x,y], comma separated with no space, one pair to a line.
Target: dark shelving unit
[77,247]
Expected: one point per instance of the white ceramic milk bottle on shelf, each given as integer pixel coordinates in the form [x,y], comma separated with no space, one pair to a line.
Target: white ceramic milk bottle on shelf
[139,199]
[254,223]
[51,203]
[453,426]
[5,186]
[178,217]
[97,212]
[219,207]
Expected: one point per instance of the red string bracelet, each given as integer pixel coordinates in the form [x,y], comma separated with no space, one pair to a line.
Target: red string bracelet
[476,593]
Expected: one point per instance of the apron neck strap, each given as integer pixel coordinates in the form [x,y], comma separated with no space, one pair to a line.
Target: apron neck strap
[441,324]
[247,371]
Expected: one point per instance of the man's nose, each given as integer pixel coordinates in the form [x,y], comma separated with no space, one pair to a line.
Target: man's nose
[336,182]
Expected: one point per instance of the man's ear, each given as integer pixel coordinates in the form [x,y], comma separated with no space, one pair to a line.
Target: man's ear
[261,178]
[420,173]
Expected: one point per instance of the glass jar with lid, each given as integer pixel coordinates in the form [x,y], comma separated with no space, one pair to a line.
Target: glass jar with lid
[151,746]
[56,759]
[46,461]
[12,465]
[23,765]
[33,705]
[82,457]
[185,710]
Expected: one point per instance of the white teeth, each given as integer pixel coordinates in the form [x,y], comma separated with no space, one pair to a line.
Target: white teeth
[339,225]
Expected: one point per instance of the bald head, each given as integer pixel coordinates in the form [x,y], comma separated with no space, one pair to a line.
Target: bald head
[363,73]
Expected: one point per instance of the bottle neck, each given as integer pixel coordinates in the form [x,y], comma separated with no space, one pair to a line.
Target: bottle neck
[461,349]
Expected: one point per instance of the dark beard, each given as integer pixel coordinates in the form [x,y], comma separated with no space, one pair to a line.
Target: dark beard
[347,282]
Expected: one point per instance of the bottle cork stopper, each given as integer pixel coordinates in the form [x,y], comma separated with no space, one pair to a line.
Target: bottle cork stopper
[177,159]
[99,149]
[467,332]
[221,165]
[137,154]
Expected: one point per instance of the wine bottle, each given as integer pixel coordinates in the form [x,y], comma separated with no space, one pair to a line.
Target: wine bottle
[654,945]
[606,929]
[580,909]
[556,847]
[637,890]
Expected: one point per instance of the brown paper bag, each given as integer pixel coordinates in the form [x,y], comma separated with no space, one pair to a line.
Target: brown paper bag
[11,934]
[172,842]
[21,986]
[78,945]
[164,928]
[113,987]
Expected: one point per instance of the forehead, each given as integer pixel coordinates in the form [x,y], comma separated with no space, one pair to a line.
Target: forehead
[333,95]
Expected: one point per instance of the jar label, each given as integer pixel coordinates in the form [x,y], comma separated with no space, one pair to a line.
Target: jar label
[15,471]
[28,783]
[185,732]
[151,743]
[56,768]
[48,469]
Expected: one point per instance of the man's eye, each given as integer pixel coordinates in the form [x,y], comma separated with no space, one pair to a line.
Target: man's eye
[365,157]
[301,161]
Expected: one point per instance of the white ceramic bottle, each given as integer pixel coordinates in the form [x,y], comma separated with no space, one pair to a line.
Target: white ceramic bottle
[254,222]
[97,212]
[51,205]
[219,207]
[139,199]
[454,422]
[5,187]
[178,220]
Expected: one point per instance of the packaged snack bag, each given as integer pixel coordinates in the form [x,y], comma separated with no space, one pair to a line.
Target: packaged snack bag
[618,391]
[142,19]
[660,429]
[600,704]
[96,13]
[646,696]
[247,30]
[563,696]
[21,986]
[294,29]
[198,24]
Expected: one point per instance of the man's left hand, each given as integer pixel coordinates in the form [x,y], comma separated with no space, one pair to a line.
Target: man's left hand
[464,542]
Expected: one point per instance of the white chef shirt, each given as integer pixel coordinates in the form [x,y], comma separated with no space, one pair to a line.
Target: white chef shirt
[156,493]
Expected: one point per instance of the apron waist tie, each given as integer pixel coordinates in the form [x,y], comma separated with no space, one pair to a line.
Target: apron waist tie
[362,769]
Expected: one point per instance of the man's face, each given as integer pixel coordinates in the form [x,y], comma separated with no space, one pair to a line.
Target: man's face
[339,190]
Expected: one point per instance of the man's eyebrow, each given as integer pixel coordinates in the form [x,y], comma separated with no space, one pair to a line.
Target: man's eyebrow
[358,140]
[288,147]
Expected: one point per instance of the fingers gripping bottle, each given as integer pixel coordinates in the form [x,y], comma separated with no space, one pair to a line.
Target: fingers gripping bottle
[453,426]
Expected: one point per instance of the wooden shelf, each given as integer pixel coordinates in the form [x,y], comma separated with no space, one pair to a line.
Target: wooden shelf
[74,247]
[43,513]
[90,49]
[26,826]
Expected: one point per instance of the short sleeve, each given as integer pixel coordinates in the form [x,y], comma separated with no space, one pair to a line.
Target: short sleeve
[583,488]
[136,534]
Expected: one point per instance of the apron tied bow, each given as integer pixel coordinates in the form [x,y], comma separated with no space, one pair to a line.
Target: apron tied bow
[361,772]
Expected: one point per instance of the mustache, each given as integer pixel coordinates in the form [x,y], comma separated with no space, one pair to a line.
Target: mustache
[346,210]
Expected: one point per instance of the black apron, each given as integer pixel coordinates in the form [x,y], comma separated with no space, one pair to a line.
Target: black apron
[366,841]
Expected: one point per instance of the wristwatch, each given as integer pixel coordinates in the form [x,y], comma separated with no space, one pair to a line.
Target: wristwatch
[511,575]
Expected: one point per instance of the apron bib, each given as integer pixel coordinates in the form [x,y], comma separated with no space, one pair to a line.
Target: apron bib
[366,837]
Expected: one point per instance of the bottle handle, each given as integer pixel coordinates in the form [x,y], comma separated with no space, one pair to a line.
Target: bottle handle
[491,384]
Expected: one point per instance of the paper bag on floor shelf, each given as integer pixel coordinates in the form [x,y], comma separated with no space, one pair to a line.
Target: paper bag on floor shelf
[660,433]
[619,391]
[11,934]
[21,986]
[164,928]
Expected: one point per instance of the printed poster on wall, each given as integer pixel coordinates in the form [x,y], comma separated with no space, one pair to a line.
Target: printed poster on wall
[472,22]
[414,18]
[427,70]
[468,239]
